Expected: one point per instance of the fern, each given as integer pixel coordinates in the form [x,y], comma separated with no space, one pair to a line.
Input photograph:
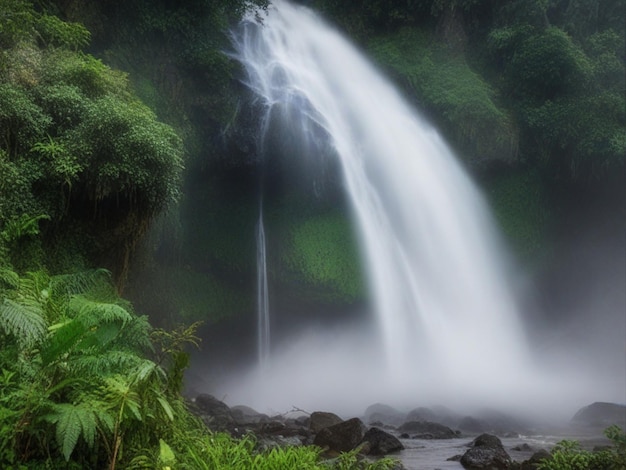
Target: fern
[72,421]
[24,321]
[68,285]
[93,312]
[9,279]
[104,363]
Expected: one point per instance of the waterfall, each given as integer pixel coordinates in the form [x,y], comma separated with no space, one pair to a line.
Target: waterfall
[263,305]
[444,312]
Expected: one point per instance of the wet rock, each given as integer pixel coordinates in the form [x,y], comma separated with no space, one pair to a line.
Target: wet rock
[272,427]
[269,442]
[321,419]
[486,452]
[341,437]
[246,415]
[522,448]
[213,412]
[381,442]
[421,414]
[501,424]
[601,414]
[536,459]
[385,414]
[454,458]
[428,430]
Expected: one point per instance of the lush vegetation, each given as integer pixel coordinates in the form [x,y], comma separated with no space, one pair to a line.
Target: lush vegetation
[87,383]
[85,165]
[568,455]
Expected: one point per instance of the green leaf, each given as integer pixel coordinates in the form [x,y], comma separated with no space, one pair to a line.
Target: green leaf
[166,407]
[23,320]
[166,454]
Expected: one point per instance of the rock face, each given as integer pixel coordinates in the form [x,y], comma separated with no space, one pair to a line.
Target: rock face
[342,437]
[427,430]
[381,442]
[601,414]
[214,413]
[486,452]
[321,419]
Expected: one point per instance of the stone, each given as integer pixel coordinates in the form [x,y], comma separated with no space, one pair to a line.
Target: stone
[342,437]
[601,414]
[246,415]
[535,460]
[381,442]
[385,414]
[213,412]
[421,414]
[322,419]
[486,452]
[428,430]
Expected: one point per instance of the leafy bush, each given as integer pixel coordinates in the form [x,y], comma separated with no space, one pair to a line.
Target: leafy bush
[568,455]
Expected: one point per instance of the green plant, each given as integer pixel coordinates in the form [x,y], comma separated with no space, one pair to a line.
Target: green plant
[569,455]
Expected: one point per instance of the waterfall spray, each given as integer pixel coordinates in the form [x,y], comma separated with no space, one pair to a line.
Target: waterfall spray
[443,309]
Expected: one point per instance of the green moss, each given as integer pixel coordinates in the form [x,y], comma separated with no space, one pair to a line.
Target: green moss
[445,86]
[518,203]
[322,252]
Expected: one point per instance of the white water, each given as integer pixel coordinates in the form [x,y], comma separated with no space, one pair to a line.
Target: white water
[445,316]
[263,304]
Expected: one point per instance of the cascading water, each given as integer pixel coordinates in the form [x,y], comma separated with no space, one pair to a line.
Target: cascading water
[445,316]
[263,305]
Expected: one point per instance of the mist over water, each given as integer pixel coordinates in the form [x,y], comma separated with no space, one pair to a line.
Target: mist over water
[444,327]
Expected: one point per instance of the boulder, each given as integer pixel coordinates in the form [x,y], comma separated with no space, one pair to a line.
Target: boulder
[213,412]
[601,414]
[536,459]
[421,414]
[381,442]
[321,419]
[246,415]
[486,452]
[428,430]
[385,414]
[342,437]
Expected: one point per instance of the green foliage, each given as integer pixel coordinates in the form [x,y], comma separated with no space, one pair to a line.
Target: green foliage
[569,455]
[16,19]
[219,451]
[447,87]
[54,31]
[71,130]
[20,227]
[519,204]
[323,252]
[75,358]
[548,65]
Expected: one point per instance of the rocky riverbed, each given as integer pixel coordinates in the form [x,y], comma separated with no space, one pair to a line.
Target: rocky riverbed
[424,438]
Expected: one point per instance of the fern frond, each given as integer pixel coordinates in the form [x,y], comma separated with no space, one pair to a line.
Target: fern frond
[119,394]
[80,283]
[24,321]
[9,279]
[105,363]
[136,335]
[62,341]
[72,421]
[93,312]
